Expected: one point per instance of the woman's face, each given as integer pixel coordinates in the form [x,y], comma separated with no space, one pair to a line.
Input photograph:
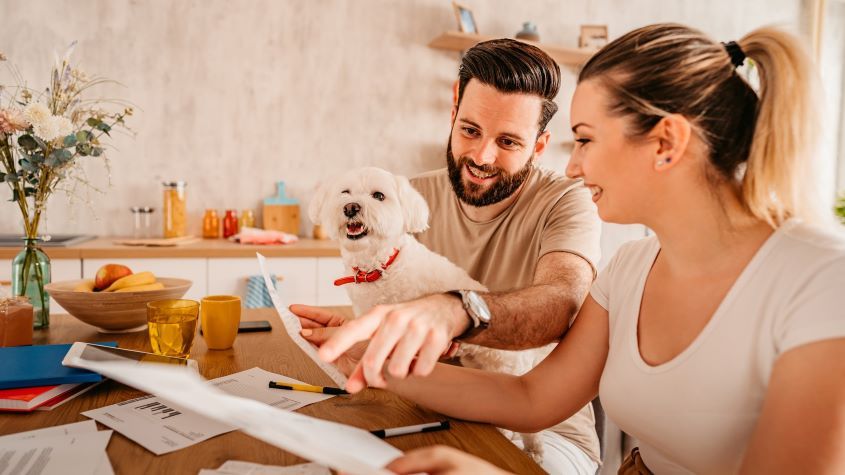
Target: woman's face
[616,168]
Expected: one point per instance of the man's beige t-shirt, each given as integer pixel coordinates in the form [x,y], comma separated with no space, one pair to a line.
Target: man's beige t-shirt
[551,214]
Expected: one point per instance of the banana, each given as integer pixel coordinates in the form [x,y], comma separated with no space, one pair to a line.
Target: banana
[142,288]
[131,280]
[85,286]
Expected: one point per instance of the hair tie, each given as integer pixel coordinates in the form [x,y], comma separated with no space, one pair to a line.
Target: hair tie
[735,52]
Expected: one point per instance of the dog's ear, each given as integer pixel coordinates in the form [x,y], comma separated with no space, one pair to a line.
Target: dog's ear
[315,208]
[414,207]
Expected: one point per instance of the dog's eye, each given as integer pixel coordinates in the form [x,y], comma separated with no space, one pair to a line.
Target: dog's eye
[344,191]
[378,195]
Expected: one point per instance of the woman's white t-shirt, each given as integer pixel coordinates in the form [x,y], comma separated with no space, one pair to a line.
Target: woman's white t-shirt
[696,412]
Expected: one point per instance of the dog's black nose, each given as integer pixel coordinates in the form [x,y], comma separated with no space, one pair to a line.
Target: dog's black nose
[351,209]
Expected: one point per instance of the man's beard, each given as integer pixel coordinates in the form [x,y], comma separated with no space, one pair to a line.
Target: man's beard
[471,194]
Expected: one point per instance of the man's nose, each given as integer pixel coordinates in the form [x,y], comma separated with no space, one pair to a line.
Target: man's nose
[485,153]
[351,209]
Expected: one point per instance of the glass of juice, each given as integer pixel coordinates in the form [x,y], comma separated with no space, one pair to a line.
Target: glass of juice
[172,325]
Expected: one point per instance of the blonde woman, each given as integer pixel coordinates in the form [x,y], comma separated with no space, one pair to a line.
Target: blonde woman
[719,343]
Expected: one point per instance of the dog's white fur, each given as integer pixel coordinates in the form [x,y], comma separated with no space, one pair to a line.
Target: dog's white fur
[416,271]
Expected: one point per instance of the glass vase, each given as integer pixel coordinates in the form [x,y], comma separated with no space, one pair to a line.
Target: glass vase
[30,273]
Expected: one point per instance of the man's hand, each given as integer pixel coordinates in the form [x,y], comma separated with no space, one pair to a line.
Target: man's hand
[441,460]
[421,328]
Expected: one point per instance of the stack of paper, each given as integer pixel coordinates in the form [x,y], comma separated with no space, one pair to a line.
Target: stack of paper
[335,445]
[56,450]
[236,467]
[162,426]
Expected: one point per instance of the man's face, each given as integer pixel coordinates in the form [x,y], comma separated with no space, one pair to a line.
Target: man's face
[493,143]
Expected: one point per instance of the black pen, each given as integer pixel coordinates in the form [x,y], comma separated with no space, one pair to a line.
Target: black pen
[306,387]
[429,427]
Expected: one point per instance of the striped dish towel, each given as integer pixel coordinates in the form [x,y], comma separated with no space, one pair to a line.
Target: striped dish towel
[257,295]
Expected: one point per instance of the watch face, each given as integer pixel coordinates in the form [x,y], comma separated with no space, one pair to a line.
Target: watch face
[479,306]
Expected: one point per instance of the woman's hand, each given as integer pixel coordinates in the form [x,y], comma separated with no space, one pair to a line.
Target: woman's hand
[318,325]
[441,460]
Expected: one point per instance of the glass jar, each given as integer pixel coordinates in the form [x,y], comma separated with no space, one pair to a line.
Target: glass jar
[30,273]
[210,224]
[247,219]
[174,214]
[141,228]
[230,223]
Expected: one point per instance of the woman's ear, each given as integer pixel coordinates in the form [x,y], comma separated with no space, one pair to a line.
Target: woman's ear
[673,134]
[414,207]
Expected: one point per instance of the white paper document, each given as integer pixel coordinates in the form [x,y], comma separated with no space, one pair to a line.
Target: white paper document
[335,445]
[293,327]
[162,427]
[54,450]
[236,467]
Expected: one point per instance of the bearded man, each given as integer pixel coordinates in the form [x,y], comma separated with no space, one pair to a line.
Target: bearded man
[529,235]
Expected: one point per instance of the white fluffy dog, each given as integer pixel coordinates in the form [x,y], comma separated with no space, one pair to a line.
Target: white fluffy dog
[373,213]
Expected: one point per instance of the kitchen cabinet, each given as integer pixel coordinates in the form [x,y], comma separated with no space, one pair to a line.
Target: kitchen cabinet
[193,269]
[330,269]
[296,277]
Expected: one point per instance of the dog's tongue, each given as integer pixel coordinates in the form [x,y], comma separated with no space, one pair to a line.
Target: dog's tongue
[354,228]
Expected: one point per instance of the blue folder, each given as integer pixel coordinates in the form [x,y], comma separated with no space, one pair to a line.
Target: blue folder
[41,365]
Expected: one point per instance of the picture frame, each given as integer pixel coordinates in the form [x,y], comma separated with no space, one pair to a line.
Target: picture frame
[593,36]
[466,21]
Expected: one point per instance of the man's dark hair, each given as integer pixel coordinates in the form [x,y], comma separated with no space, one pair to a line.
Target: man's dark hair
[513,66]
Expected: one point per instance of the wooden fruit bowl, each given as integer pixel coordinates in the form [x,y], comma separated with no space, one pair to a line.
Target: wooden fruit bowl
[114,312]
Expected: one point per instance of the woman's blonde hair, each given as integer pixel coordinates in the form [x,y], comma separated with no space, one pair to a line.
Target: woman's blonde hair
[763,144]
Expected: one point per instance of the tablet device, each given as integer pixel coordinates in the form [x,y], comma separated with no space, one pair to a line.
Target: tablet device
[80,352]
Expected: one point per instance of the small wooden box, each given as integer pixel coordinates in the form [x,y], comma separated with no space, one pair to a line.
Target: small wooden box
[282,218]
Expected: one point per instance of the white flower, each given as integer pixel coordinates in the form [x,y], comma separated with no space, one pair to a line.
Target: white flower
[53,128]
[37,114]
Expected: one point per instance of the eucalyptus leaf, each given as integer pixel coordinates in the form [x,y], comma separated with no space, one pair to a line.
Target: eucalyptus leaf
[52,161]
[11,178]
[41,144]
[93,121]
[70,140]
[104,127]
[15,196]
[97,151]
[27,142]
[26,165]
[83,136]
[83,149]
[29,191]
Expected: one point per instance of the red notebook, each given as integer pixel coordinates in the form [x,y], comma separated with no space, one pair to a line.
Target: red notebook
[27,399]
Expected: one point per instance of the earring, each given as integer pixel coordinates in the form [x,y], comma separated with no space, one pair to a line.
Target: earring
[660,163]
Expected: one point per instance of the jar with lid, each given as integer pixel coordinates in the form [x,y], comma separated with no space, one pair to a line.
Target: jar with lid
[210,225]
[141,228]
[174,214]
[230,223]
[247,219]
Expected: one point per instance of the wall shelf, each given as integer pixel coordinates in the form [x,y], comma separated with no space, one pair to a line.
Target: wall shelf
[457,41]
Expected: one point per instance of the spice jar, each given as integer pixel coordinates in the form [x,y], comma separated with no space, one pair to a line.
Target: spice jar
[210,224]
[247,219]
[141,222]
[230,223]
[174,214]
[15,321]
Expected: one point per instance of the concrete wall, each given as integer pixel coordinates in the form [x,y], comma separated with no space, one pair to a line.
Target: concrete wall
[234,95]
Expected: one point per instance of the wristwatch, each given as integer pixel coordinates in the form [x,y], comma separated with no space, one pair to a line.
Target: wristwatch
[477,310]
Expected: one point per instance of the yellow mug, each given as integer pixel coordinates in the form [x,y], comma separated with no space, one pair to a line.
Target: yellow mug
[220,316]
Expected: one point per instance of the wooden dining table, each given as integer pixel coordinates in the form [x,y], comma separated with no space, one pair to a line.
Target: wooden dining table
[273,351]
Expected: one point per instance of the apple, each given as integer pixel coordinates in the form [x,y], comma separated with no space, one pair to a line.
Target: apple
[108,274]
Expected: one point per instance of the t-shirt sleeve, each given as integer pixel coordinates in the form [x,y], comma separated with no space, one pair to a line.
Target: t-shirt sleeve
[817,312]
[573,226]
[600,290]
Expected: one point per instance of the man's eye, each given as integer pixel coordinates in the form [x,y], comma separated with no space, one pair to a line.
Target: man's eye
[508,143]
[345,192]
[470,131]
[378,195]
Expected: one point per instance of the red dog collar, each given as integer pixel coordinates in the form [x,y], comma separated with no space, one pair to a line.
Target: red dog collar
[360,276]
